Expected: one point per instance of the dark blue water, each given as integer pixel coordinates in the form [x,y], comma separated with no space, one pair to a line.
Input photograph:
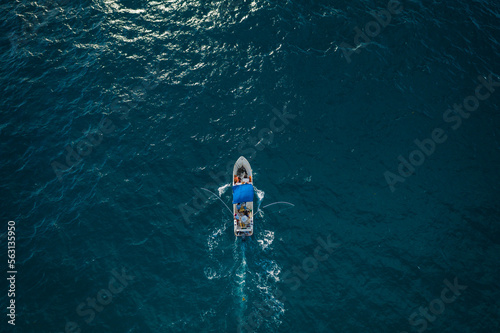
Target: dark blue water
[382,129]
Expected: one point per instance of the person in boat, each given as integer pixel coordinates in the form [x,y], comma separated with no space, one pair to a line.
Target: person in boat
[243,208]
[244,220]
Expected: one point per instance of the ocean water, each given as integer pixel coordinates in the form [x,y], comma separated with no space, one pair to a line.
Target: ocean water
[378,120]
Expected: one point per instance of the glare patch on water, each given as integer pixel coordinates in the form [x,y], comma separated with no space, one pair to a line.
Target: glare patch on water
[115,6]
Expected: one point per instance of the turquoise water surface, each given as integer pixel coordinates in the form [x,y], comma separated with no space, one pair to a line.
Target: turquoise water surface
[377,120]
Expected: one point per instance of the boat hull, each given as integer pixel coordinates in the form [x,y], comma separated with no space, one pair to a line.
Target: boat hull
[243,214]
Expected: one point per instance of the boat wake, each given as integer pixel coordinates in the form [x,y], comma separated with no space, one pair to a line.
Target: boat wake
[270,307]
[223,189]
[260,195]
[241,277]
[261,308]
[215,270]
[254,293]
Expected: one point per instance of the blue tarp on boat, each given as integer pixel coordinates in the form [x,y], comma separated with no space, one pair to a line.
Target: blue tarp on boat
[242,193]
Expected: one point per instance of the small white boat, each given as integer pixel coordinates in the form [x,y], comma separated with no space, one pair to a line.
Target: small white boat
[243,198]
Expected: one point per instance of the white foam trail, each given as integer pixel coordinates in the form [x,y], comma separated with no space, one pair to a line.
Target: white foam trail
[216,269]
[260,196]
[223,189]
[266,284]
[241,276]
[267,240]
[210,273]
[212,241]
